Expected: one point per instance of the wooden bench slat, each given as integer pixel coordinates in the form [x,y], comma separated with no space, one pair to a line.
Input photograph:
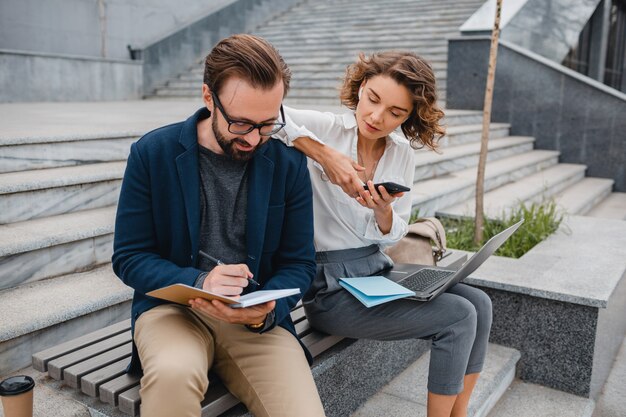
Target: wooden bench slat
[109,391]
[298,315]
[303,328]
[72,375]
[91,382]
[217,400]
[41,359]
[130,401]
[56,366]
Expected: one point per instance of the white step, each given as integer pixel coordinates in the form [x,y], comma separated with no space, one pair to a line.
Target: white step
[406,395]
[46,192]
[613,207]
[425,50]
[197,71]
[42,248]
[21,154]
[346,42]
[42,314]
[583,195]
[334,81]
[463,134]
[391,9]
[429,164]
[611,400]
[432,195]
[535,187]
[522,399]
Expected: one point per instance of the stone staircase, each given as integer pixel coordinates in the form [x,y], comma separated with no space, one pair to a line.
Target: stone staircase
[318,41]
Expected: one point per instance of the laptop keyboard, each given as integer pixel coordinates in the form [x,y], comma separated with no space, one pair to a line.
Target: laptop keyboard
[424,279]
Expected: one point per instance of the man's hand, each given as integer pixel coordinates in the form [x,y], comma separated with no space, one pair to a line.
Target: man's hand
[342,171]
[221,311]
[228,280]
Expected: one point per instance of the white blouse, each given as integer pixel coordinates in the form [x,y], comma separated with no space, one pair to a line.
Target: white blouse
[340,221]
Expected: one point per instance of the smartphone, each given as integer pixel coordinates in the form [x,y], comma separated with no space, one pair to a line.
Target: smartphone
[391,187]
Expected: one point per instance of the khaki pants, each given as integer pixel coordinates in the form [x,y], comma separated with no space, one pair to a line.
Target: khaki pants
[268,372]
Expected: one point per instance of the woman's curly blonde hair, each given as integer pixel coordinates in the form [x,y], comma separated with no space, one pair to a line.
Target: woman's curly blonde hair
[422,128]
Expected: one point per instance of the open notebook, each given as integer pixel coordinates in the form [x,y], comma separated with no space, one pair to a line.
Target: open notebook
[181,294]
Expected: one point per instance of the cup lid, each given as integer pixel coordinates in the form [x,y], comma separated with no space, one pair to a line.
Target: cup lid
[16,385]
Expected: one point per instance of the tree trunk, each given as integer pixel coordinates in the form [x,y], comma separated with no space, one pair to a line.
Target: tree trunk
[484,139]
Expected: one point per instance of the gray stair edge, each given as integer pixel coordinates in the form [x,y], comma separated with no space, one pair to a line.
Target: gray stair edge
[60,229]
[481,404]
[73,137]
[33,307]
[465,207]
[58,177]
[467,177]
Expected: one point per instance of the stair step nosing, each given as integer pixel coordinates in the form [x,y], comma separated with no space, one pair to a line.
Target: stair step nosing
[100,222]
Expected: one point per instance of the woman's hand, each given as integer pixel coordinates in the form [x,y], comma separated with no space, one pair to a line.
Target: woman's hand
[379,201]
[342,171]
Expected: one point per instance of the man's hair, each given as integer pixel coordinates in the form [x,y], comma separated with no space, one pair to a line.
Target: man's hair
[249,57]
[422,128]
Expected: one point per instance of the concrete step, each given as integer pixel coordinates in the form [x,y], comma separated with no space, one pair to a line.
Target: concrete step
[464,134]
[430,164]
[406,395]
[392,9]
[301,79]
[36,249]
[333,82]
[356,29]
[346,42]
[46,192]
[613,207]
[42,314]
[522,399]
[611,400]
[26,153]
[583,195]
[304,69]
[321,50]
[535,187]
[432,195]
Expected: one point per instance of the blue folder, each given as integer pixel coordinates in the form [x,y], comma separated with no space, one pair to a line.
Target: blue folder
[372,291]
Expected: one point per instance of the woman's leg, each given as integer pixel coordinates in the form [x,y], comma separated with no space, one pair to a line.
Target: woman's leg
[449,321]
[482,304]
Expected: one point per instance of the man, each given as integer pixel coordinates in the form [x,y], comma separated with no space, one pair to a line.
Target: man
[216,183]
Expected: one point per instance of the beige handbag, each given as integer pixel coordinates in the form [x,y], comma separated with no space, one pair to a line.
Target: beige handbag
[417,246]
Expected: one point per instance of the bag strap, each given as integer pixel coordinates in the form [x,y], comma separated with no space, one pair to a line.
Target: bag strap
[431,227]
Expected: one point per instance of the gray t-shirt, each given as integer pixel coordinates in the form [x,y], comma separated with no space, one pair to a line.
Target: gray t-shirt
[223,211]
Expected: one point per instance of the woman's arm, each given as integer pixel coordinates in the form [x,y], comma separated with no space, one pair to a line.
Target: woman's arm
[313,133]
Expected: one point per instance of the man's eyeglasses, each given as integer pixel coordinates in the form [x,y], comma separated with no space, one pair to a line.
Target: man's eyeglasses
[239,127]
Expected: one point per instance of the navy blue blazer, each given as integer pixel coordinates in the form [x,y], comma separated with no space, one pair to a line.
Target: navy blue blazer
[158,219]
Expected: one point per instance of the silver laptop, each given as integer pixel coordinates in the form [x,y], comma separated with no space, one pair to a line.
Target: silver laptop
[428,282]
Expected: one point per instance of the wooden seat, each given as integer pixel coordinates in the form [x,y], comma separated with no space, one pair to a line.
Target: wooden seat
[96,365]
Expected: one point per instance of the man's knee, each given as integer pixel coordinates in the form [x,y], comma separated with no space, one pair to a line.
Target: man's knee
[176,375]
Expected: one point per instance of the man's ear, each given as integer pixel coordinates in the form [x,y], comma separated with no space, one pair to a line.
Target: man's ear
[206,96]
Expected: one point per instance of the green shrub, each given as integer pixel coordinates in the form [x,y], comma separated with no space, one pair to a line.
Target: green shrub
[541,220]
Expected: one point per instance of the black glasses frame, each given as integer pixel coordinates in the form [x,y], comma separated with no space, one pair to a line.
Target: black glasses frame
[277,125]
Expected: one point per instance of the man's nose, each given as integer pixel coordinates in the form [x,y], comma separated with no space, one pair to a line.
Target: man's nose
[253,138]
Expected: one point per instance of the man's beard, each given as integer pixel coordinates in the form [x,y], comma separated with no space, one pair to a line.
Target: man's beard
[229,146]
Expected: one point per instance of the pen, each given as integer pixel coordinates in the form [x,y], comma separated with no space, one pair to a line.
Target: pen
[218,262]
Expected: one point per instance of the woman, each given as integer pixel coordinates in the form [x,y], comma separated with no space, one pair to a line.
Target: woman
[352,224]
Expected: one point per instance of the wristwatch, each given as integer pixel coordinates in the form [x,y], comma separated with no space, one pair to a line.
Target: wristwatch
[256,326]
[266,323]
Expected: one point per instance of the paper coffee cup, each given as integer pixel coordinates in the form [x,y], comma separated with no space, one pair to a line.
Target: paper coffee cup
[17,396]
